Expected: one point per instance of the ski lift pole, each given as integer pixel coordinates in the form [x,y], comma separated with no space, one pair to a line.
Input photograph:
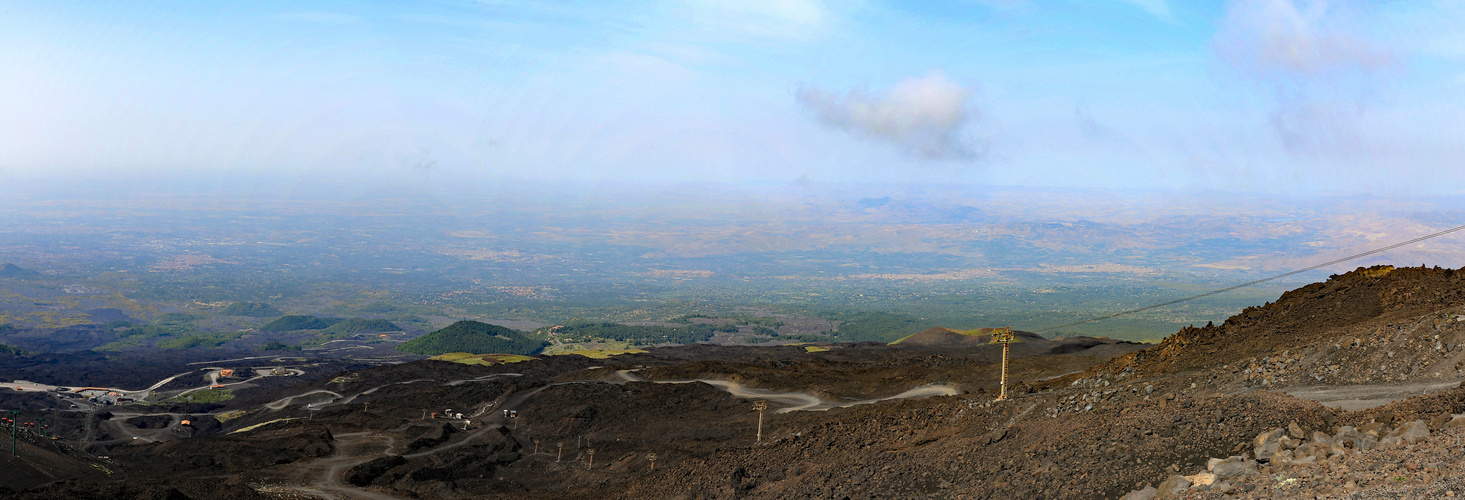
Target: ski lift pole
[760,406]
[14,421]
[1004,336]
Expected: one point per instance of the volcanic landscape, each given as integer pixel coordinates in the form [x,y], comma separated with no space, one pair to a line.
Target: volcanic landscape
[1348,388]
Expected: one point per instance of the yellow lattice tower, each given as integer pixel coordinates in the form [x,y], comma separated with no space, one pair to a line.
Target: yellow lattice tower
[1004,336]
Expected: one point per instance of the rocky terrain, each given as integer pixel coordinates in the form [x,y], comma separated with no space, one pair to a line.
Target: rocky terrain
[1342,389]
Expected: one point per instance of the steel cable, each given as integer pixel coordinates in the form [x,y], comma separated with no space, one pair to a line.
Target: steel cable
[1260,281]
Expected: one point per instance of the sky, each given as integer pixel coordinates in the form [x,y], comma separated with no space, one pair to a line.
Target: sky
[1266,96]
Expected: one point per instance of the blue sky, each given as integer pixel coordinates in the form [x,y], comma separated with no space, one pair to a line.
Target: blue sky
[1279,96]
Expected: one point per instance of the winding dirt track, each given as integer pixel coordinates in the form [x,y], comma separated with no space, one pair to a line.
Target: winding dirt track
[323,476]
[796,401]
[285,401]
[1359,397]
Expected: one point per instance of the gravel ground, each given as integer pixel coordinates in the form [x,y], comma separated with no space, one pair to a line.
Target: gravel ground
[1426,469]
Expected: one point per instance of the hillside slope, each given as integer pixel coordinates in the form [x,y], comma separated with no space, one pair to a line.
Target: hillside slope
[1334,323]
[299,322]
[473,337]
[871,420]
[253,309]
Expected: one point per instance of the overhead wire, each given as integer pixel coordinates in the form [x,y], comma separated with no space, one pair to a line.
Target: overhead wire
[1257,282]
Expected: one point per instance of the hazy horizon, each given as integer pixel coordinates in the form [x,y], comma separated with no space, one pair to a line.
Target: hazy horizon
[875,156]
[1246,96]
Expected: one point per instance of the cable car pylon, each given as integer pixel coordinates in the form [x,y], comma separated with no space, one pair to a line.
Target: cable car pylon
[1004,336]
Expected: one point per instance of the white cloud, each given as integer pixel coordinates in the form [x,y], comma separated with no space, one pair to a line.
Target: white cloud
[1287,38]
[925,116]
[1320,61]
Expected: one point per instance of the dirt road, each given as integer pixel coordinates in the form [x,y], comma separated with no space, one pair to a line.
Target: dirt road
[1359,397]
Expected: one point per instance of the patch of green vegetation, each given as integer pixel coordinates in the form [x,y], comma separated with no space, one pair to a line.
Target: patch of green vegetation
[481,359]
[121,344]
[167,325]
[252,309]
[352,326]
[150,331]
[875,326]
[218,286]
[199,339]
[9,270]
[686,319]
[473,337]
[176,320]
[11,350]
[601,353]
[205,396]
[586,331]
[225,417]
[275,345]
[812,337]
[378,308]
[299,322]
[735,319]
[411,318]
[355,325]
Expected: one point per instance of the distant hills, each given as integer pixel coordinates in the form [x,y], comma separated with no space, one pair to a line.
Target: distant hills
[473,337]
[346,328]
[355,325]
[8,270]
[294,322]
[330,328]
[939,336]
[255,309]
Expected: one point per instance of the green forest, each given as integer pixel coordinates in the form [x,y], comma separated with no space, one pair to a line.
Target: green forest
[875,326]
[299,322]
[637,334]
[352,326]
[11,350]
[355,325]
[475,338]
